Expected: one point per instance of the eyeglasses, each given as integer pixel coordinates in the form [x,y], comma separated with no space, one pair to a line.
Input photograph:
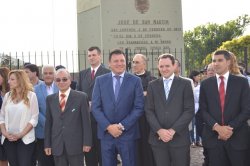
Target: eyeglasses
[63,79]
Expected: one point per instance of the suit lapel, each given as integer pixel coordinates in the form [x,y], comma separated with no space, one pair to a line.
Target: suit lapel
[228,91]
[110,89]
[57,104]
[216,90]
[89,75]
[173,88]
[69,101]
[161,90]
[122,88]
[44,90]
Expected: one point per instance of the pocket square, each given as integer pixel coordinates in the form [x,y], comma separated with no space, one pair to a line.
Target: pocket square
[73,110]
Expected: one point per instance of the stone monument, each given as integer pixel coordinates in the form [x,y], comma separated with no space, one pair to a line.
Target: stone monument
[151,27]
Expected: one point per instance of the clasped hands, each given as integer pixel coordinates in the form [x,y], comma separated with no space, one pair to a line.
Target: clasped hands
[13,137]
[166,135]
[225,132]
[115,130]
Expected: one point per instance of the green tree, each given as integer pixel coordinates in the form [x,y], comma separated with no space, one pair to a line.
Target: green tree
[237,46]
[205,39]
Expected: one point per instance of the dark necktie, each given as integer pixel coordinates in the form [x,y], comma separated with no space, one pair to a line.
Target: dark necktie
[117,86]
[222,97]
[92,74]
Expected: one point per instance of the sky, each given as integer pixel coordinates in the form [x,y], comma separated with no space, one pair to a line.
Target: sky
[46,25]
[200,12]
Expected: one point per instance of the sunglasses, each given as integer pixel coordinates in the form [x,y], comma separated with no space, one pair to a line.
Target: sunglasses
[63,79]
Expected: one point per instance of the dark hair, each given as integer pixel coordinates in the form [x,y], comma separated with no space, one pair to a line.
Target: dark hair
[59,67]
[116,51]
[95,48]
[32,68]
[4,71]
[165,56]
[193,74]
[223,52]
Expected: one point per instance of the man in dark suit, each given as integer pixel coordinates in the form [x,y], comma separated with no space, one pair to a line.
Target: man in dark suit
[117,104]
[85,84]
[42,90]
[169,110]
[144,154]
[67,126]
[225,108]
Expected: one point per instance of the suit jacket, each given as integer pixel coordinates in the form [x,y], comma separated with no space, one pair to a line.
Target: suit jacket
[126,110]
[236,111]
[41,93]
[175,113]
[70,129]
[85,83]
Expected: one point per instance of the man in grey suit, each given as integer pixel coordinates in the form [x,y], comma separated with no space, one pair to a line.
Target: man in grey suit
[86,84]
[67,126]
[169,110]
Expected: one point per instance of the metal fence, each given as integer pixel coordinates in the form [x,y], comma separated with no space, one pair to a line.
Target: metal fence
[75,61]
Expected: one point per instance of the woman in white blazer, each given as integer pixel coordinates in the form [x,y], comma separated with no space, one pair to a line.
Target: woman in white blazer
[18,117]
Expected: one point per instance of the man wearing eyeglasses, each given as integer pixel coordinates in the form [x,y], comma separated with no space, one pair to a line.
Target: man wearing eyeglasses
[67,127]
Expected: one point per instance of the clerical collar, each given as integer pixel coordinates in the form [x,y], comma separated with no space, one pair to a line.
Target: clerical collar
[141,73]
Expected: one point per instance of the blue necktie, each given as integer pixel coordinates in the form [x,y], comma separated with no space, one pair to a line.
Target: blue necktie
[166,87]
[117,86]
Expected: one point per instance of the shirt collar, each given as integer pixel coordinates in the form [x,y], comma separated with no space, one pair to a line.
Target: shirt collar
[226,75]
[169,78]
[122,75]
[96,68]
[66,93]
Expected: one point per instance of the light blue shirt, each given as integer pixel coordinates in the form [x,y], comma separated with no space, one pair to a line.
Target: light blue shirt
[115,80]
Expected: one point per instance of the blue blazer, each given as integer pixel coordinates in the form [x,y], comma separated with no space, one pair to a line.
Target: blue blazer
[126,110]
[41,94]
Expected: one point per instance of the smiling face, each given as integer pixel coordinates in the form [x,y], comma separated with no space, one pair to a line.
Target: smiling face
[166,67]
[117,63]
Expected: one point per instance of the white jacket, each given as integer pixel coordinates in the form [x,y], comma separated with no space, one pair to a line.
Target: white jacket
[28,116]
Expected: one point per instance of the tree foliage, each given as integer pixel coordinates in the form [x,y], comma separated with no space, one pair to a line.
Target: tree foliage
[205,39]
[238,46]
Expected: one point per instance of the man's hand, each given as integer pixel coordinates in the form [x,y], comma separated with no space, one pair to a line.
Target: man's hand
[86,148]
[114,130]
[47,151]
[165,135]
[225,132]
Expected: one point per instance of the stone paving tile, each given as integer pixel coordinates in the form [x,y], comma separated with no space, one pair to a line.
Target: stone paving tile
[196,156]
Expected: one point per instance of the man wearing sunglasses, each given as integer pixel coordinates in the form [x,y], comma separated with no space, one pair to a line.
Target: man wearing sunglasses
[67,127]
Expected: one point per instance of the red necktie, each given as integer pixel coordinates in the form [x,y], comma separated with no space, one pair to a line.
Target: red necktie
[222,97]
[62,102]
[93,74]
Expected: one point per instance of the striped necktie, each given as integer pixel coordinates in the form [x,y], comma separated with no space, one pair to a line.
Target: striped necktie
[62,102]
[166,88]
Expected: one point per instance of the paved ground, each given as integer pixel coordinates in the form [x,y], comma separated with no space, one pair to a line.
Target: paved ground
[196,156]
